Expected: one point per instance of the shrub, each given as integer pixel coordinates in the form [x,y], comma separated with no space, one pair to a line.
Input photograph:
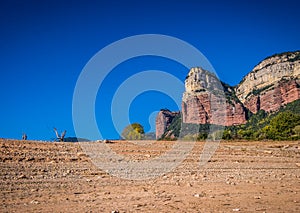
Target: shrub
[297,130]
[227,135]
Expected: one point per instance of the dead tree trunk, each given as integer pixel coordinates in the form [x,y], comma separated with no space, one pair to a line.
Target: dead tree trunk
[24,137]
[61,137]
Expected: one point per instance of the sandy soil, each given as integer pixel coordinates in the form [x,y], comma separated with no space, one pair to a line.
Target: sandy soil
[60,177]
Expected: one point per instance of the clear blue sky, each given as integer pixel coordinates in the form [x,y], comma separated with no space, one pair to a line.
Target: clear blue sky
[44,45]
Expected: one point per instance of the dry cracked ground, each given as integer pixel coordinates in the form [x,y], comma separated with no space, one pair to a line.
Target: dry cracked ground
[240,177]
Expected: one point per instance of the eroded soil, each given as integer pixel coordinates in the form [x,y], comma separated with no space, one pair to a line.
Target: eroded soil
[60,177]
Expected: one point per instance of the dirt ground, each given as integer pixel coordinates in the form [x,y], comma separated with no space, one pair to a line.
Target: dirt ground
[240,177]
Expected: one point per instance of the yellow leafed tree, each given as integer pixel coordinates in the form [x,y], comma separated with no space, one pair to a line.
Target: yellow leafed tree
[133,131]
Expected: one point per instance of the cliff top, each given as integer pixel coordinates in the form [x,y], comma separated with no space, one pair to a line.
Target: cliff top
[268,72]
[276,58]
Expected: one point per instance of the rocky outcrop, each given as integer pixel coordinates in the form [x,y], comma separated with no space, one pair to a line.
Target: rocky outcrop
[253,104]
[269,71]
[205,101]
[235,114]
[273,83]
[163,120]
[275,96]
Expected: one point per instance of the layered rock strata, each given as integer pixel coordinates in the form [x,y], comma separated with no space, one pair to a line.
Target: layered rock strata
[204,101]
[272,84]
[163,120]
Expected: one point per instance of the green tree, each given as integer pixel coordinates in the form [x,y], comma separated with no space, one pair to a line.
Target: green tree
[133,131]
[227,135]
[282,126]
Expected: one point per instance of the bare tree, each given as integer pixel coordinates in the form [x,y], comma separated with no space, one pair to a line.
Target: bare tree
[61,137]
[24,136]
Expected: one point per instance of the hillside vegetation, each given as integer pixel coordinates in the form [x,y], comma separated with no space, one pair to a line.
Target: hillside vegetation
[281,125]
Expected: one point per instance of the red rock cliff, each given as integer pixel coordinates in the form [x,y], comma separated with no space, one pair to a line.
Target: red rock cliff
[273,83]
[204,101]
[271,99]
[163,120]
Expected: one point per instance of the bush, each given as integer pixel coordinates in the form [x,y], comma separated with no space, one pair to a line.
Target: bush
[227,135]
[202,136]
[189,137]
[297,130]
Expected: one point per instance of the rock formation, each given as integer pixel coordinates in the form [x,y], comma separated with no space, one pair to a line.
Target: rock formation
[275,96]
[163,120]
[272,84]
[205,101]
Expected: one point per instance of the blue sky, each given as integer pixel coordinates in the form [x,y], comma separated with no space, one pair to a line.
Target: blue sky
[44,45]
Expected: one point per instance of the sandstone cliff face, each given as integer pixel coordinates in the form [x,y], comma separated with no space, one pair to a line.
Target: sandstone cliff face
[273,83]
[271,99]
[204,101]
[199,80]
[269,71]
[201,109]
[163,119]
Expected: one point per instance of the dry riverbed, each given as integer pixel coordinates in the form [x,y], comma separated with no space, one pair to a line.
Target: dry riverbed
[240,177]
